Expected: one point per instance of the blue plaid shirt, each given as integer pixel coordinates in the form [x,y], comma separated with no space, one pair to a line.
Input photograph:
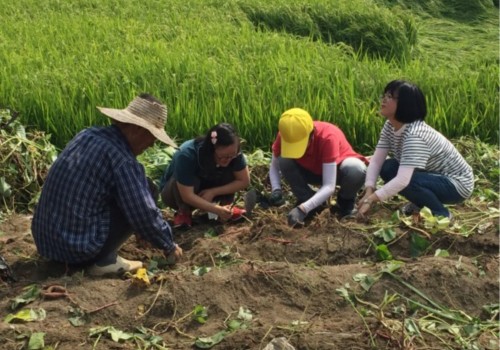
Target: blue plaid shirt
[97,169]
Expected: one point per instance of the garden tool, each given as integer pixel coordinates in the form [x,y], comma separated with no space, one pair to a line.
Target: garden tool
[250,201]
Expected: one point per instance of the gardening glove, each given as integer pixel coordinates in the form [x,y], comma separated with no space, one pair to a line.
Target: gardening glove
[276,198]
[296,217]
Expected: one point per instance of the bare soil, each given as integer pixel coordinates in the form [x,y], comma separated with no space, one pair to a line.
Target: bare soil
[287,278]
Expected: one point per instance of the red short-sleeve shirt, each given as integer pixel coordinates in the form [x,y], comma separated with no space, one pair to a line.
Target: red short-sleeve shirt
[327,145]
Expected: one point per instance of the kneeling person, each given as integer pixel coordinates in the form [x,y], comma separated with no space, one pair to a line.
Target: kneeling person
[314,152]
[96,193]
[205,173]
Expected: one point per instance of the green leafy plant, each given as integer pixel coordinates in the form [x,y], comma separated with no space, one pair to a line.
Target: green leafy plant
[31,293]
[434,223]
[26,315]
[141,337]
[242,321]
[201,270]
[199,314]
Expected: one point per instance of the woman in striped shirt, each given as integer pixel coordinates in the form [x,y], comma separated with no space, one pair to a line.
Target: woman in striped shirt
[424,166]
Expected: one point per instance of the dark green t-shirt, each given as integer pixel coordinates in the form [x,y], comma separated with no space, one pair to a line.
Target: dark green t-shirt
[188,164]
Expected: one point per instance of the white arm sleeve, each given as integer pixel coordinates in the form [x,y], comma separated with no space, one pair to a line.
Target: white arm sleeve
[376,162]
[274,174]
[326,189]
[397,184]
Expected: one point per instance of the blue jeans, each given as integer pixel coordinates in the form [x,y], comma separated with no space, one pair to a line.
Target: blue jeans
[350,178]
[425,189]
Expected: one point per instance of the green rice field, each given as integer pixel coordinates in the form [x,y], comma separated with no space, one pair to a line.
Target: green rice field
[247,61]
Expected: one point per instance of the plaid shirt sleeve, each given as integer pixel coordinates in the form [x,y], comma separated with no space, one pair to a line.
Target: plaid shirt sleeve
[139,206]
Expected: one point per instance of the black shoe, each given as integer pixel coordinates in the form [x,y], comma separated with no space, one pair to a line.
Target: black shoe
[344,207]
[342,212]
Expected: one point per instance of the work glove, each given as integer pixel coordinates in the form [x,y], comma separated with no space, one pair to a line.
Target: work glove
[276,198]
[296,217]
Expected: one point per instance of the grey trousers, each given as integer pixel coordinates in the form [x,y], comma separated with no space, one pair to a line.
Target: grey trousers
[350,178]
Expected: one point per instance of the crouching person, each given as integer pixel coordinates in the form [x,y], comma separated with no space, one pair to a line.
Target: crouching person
[308,152]
[96,193]
[205,173]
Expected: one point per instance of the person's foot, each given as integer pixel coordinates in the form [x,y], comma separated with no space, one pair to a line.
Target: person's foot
[342,213]
[344,207]
[409,209]
[182,219]
[120,266]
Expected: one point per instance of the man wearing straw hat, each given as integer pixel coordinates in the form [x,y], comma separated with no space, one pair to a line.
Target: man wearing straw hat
[96,193]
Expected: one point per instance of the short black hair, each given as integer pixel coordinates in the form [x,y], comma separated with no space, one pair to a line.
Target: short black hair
[410,99]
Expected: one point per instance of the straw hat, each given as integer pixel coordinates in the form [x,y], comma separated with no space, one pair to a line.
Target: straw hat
[295,126]
[147,114]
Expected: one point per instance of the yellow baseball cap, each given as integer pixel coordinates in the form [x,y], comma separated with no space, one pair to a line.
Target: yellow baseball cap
[295,126]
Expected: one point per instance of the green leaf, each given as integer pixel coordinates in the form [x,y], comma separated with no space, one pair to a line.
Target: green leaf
[31,293]
[36,341]
[383,252]
[442,252]
[392,266]
[492,309]
[387,234]
[208,342]
[426,213]
[411,326]
[366,281]
[118,335]
[234,325]
[418,245]
[26,315]
[442,223]
[78,317]
[210,233]
[5,189]
[97,330]
[201,270]
[344,292]
[200,314]
[20,131]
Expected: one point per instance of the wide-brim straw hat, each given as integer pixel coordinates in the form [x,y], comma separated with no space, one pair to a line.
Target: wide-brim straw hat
[147,114]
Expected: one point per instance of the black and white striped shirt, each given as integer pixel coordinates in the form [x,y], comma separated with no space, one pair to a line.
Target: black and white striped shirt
[420,146]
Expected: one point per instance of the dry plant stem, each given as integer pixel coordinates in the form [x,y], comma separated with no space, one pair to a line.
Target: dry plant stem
[278,240]
[57,291]
[153,303]
[426,234]
[182,333]
[213,260]
[265,335]
[397,239]
[102,307]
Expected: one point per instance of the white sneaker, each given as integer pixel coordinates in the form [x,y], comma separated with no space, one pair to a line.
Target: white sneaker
[119,267]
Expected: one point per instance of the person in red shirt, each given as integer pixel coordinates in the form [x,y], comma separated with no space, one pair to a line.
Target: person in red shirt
[308,152]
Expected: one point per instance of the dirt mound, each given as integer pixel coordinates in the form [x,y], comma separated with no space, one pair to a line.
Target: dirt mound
[320,287]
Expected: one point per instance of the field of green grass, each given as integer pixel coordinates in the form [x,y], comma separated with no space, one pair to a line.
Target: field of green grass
[247,61]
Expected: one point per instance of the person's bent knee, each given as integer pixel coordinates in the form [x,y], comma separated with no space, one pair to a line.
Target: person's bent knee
[389,169]
[286,164]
